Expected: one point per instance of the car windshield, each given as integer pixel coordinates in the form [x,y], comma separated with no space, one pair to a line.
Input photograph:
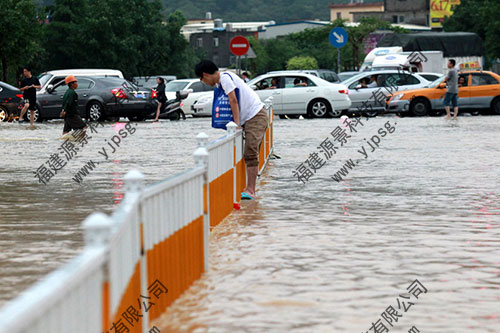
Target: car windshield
[8,86]
[44,78]
[174,86]
[435,83]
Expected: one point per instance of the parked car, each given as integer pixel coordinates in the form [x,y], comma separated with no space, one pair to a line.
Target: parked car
[150,81]
[54,77]
[294,94]
[99,98]
[480,93]
[431,77]
[346,75]
[371,100]
[10,101]
[195,87]
[325,74]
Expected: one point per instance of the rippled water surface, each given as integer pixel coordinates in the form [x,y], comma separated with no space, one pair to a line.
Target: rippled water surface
[332,257]
[316,257]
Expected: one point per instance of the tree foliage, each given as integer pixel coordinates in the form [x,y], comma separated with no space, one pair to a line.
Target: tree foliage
[302,63]
[19,36]
[481,17]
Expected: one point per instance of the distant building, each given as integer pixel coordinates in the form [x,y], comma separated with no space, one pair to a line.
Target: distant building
[282,29]
[346,9]
[214,38]
[415,12]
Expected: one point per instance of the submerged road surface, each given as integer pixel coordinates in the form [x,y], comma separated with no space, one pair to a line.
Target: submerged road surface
[409,241]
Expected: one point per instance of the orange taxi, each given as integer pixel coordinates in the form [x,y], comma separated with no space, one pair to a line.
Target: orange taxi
[479,91]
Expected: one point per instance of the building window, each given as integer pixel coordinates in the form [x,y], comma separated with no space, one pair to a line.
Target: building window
[339,15]
[215,59]
[199,42]
[216,41]
[401,19]
[394,19]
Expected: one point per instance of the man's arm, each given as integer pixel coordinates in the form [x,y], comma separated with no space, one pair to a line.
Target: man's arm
[233,102]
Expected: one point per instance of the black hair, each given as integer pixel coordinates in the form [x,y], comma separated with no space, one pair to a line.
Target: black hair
[28,68]
[205,66]
[246,74]
[296,81]
[453,62]
[161,79]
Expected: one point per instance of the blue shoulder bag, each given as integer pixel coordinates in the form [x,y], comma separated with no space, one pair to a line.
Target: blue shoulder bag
[221,110]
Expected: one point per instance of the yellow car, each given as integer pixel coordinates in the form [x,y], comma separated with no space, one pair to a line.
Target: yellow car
[478,91]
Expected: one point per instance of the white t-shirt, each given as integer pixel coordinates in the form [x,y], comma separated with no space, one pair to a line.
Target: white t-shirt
[249,102]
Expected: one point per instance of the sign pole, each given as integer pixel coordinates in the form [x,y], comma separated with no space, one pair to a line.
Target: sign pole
[338,60]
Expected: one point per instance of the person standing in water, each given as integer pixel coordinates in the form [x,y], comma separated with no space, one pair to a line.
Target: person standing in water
[160,94]
[29,85]
[72,119]
[451,96]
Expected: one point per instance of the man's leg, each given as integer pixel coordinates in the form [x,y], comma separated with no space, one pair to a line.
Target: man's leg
[23,111]
[455,106]
[251,180]
[446,103]
[448,115]
[255,130]
[32,117]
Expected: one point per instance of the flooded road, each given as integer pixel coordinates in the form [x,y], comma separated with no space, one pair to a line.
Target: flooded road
[324,256]
[40,225]
[329,256]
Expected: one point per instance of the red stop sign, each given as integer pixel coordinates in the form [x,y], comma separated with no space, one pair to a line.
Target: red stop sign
[239,45]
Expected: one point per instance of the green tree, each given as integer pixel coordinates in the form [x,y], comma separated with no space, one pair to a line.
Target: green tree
[481,17]
[302,63]
[19,36]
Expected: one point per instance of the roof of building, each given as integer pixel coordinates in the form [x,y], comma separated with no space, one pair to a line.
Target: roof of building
[348,4]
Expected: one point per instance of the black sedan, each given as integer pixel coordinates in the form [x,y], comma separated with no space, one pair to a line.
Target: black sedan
[10,101]
[99,98]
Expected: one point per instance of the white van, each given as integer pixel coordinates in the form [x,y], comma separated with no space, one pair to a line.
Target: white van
[54,77]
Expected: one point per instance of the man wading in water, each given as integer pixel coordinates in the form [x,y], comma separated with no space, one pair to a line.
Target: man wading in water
[72,119]
[250,114]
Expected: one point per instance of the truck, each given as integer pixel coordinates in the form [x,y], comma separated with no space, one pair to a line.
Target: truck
[426,52]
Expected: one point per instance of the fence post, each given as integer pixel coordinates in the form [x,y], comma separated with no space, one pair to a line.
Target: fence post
[231,130]
[97,233]
[201,159]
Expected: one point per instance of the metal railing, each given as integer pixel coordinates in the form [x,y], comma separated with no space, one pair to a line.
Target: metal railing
[137,261]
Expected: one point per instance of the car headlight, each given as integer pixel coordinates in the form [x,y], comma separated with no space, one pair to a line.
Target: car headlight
[397,97]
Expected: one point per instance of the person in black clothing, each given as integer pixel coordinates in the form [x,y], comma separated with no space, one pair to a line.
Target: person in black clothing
[29,85]
[160,94]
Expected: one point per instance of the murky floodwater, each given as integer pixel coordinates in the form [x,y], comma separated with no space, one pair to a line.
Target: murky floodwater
[332,257]
[40,225]
[316,257]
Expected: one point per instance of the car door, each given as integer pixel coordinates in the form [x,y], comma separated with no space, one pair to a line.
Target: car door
[51,102]
[483,89]
[298,91]
[84,91]
[199,88]
[360,97]
[271,86]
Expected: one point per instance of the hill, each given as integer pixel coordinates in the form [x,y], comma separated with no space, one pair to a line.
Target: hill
[252,10]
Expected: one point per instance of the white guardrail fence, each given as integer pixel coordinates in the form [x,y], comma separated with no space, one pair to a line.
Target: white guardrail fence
[137,261]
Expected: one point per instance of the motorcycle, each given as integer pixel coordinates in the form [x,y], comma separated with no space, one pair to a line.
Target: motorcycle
[171,109]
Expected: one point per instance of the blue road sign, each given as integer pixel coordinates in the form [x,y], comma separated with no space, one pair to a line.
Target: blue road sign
[338,37]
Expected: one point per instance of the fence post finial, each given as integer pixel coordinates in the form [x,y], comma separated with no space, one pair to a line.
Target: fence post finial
[97,229]
[201,156]
[134,181]
[231,127]
[202,139]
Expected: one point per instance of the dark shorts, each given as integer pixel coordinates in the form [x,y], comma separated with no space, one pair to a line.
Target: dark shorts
[74,122]
[32,103]
[255,129]
[451,99]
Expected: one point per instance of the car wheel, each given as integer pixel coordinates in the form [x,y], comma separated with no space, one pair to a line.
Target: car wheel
[95,111]
[475,113]
[136,118]
[36,118]
[495,106]
[282,116]
[420,107]
[334,113]
[371,114]
[175,116]
[4,113]
[319,108]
